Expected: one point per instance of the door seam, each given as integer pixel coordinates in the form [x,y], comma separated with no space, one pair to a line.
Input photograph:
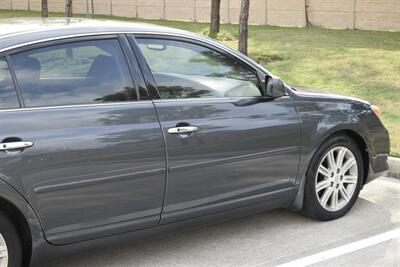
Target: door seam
[166,163]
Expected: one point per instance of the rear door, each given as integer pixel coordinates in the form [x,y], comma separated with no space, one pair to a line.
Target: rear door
[227,144]
[95,160]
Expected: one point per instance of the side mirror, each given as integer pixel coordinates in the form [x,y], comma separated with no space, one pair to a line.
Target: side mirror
[274,87]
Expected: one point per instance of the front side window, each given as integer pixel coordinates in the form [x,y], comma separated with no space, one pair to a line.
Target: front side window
[8,95]
[186,70]
[82,72]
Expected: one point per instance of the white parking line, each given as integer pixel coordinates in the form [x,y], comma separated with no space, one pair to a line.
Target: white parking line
[345,249]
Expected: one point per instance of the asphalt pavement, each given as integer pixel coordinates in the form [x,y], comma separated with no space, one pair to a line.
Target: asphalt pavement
[367,236]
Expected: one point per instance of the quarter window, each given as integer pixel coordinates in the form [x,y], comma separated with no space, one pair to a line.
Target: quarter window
[8,95]
[74,73]
[186,70]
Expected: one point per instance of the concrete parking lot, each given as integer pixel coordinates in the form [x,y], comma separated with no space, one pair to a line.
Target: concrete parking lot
[364,237]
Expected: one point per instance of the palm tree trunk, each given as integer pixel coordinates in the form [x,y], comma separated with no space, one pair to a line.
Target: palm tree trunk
[306,7]
[243,26]
[68,8]
[215,17]
[45,10]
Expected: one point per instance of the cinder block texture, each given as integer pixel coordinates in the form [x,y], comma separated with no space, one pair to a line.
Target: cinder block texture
[332,13]
[378,14]
[18,5]
[5,4]
[35,5]
[124,8]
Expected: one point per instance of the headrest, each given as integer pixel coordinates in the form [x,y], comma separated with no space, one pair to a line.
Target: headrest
[27,69]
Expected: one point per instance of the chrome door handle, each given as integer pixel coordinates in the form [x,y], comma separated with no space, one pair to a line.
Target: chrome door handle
[183,129]
[15,145]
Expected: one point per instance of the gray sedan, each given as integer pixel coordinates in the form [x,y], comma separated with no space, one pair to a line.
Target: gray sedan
[112,131]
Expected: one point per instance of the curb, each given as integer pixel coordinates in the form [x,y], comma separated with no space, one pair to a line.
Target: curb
[394,167]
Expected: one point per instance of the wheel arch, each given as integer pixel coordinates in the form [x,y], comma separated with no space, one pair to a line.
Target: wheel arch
[362,145]
[21,223]
[18,210]
[297,203]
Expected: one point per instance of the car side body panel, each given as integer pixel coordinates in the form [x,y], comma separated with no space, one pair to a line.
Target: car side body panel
[321,116]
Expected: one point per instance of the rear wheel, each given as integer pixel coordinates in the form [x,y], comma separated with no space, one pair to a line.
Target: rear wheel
[10,245]
[334,179]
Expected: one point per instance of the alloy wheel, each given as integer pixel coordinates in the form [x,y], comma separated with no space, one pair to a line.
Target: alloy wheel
[336,178]
[3,252]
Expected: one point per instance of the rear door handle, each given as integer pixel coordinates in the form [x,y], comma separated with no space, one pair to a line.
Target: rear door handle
[183,129]
[15,145]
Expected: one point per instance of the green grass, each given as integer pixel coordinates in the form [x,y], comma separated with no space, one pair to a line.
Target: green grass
[364,64]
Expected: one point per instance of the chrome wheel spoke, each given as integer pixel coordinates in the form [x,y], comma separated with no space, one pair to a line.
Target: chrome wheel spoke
[324,171]
[326,196]
[348,164]
[344,194]
[349,179]
[322,185]
[331,160]
[340,156]
[3,251]
[335,199]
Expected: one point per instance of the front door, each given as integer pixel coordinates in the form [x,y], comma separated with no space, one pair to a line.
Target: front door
[97,162]
[227,145]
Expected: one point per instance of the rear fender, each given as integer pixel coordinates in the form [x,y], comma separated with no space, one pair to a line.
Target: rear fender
[9,194]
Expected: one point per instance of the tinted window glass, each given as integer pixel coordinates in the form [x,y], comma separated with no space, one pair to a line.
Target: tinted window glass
[8,95]
[74,73]
[185,70]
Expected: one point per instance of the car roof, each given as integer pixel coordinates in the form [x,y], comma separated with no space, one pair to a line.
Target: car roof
[21,31]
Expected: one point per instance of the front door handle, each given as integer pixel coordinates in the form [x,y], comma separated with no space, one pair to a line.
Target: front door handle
[15,145]
[183,129]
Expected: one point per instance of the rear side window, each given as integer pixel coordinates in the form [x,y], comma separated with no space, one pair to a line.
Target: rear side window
[74,73]
[8,95]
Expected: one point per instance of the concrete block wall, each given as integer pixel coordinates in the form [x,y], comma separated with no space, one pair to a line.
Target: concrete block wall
[5,4]
[203,10]
[20,5]
[378,14]
[180,10]
[346,14]
[124,8]
[332,13]
[56,5]
[150,9]
[34,5]
[80,6]
[356,14]
[288,12]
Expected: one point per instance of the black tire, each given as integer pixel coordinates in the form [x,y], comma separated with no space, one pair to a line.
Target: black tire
[312,207]
[10,235]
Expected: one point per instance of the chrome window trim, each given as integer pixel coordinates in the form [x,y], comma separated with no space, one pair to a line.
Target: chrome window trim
[130,103]
[56,39]
[198,99]
[78,106]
